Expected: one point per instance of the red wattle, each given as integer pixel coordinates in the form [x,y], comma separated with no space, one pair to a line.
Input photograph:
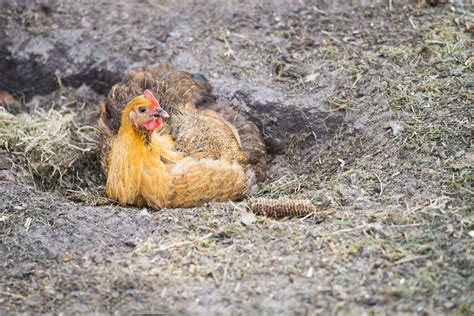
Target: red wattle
[153,124]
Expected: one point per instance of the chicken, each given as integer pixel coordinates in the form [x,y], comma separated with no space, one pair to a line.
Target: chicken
[200,127]
[145,169]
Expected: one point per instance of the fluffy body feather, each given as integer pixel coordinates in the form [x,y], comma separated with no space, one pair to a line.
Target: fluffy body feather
[201,128]
[196,136]
[251,139]
[145,169]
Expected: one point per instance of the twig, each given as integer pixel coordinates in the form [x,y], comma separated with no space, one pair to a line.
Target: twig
[21,297]
[381,184]
[180,244]
[409,259]
[237,207]
[28,223]
[412,23]
[330,36]
[347,230]
[310,214]
[315,8]
[406,225]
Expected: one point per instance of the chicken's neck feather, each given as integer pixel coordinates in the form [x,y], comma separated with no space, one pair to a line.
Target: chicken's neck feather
[128,154]
[139,136]
[140,166]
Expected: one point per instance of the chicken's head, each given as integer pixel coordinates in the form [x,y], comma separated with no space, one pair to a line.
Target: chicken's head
[145,112]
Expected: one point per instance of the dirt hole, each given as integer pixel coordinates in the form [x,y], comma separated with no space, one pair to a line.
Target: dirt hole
[53,140]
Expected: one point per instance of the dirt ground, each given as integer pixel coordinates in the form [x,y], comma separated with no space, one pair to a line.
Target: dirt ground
[366,108]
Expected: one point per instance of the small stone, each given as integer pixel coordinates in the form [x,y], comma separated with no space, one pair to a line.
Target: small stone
[397,128]
[372,301]
[175,34]
[32,302]
[7,175]
[59,222]
[4,162]
[469,84]
[83,91]
[450,229]
[130,243]
[144,213]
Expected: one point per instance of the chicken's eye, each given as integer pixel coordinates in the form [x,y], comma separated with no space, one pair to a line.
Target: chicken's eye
[142,109]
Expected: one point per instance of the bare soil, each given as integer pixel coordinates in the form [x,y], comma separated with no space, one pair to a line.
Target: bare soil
[367,111]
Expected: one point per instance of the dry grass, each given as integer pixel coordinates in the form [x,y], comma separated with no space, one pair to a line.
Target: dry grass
[47,143]
[55,151]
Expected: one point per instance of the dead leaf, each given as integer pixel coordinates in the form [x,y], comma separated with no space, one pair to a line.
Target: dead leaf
[396,127]
[6,99]
[247,218]
[68,257]
[311,77]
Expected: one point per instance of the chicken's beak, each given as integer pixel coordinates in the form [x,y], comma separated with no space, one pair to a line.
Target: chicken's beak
[160,112]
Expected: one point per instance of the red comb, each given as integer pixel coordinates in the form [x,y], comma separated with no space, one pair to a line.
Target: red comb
[149,95]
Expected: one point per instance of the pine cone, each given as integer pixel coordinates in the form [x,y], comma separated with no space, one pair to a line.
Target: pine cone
[281,208]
